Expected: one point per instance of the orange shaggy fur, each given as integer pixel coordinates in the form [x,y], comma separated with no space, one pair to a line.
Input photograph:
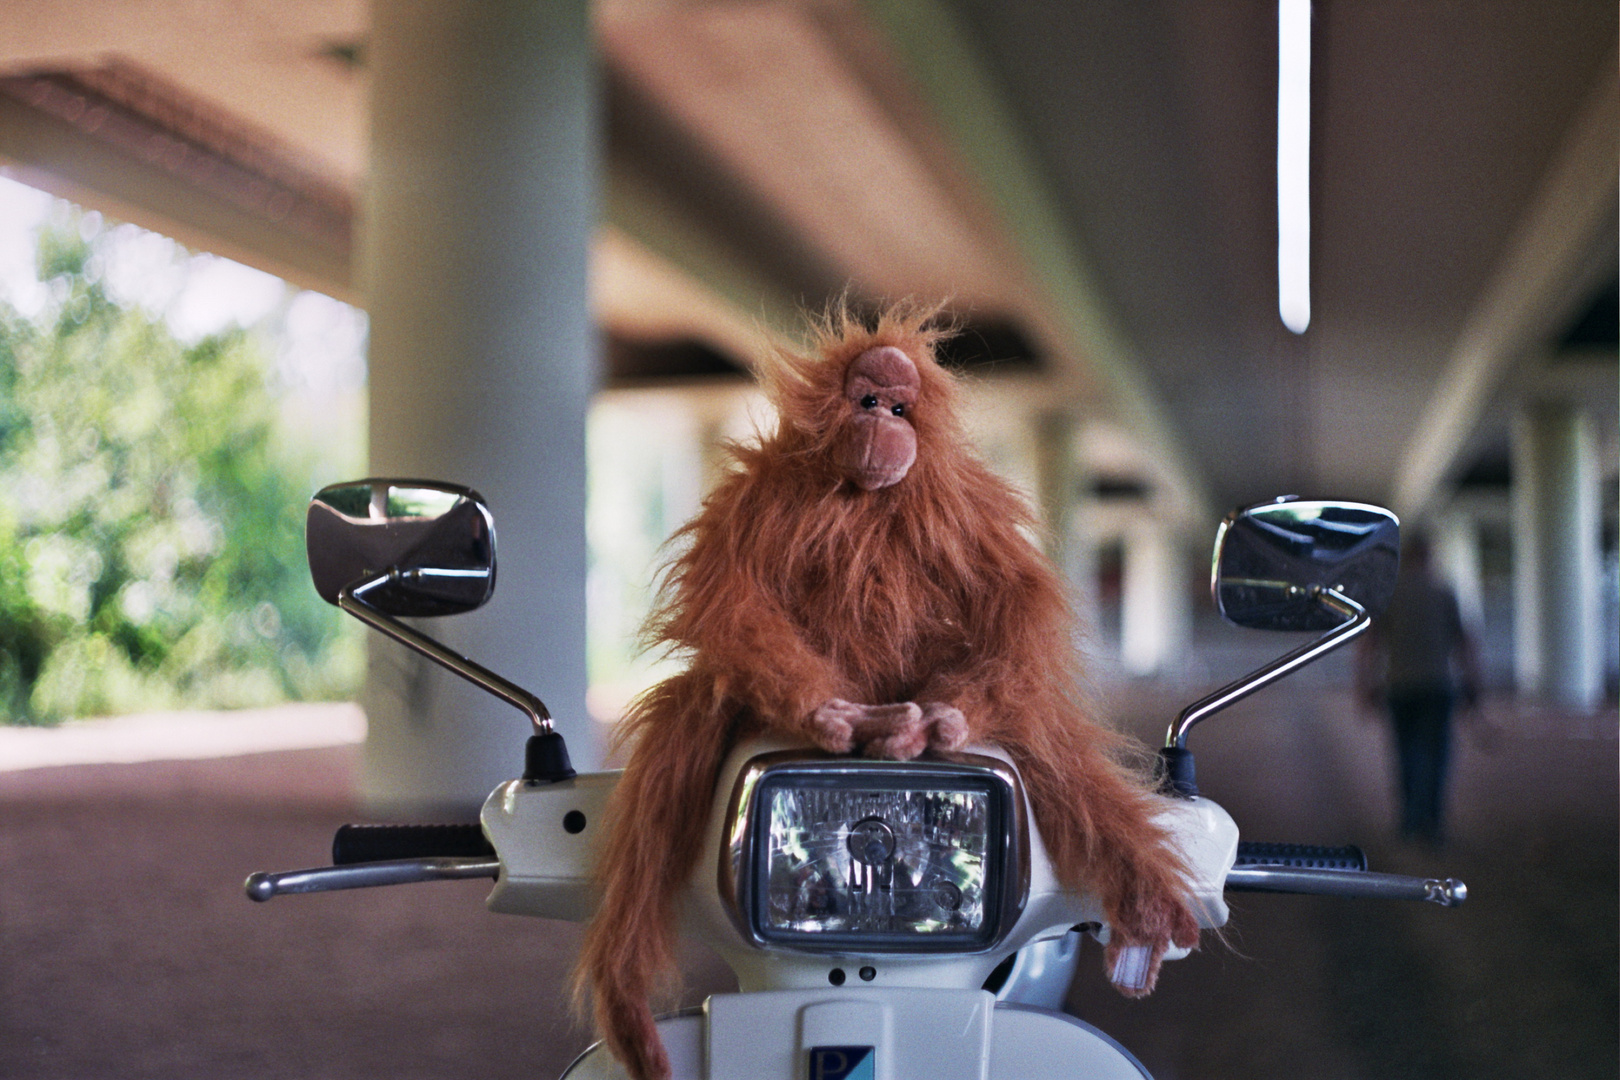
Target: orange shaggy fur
[796,588]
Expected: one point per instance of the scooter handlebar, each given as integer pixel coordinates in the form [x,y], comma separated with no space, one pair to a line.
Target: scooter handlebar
[1447,892]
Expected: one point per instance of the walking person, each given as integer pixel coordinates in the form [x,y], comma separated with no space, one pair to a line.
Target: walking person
[1420,665]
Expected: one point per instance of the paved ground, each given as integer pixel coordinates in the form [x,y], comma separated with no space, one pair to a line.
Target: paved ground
[127,950]
[1518,983]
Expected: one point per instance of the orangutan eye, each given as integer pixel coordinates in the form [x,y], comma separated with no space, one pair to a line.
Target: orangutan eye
[899,410]
[869,401]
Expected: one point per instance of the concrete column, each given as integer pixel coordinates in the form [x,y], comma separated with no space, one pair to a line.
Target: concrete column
[1456,550]
[1155,610]
[714,460]
[478,213]
[1057,480]
[1084,565]
[1556,498]
[1060,479]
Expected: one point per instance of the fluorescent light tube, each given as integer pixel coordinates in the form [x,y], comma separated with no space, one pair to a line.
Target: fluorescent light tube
[1294,163]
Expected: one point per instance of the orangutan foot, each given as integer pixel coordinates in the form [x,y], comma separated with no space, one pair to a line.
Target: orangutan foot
[1138,942]
[1133,970]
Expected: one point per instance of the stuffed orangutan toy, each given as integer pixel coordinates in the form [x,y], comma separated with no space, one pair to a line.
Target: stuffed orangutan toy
[863,583]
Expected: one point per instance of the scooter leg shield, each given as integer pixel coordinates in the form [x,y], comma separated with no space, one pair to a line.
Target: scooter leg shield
[683,1041]
[1023,1043]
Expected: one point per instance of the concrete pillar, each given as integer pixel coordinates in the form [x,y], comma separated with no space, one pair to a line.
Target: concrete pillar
[1556,498]
[1155,609]
[1057,478]
[714,460]
[478,213]
[1060,480]
[1456,551]
[1084,566]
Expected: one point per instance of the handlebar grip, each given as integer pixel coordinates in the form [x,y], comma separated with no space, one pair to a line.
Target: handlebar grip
[1301,856]
[353,844]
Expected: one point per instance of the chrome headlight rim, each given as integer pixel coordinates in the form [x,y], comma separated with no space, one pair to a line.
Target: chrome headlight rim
[1009,845]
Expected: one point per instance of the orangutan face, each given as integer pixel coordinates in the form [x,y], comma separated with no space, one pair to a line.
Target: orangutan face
[881,388]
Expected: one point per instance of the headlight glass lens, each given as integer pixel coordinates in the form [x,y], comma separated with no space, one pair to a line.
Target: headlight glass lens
[876,861]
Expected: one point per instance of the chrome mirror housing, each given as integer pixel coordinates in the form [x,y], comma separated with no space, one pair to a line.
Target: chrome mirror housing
[1274,560]
[1290,565]
[436,543]
[385,550]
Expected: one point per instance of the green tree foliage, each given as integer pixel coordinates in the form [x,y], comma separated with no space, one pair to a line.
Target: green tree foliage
[151,522]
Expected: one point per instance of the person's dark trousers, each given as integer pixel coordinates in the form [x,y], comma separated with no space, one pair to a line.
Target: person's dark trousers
[1422,719]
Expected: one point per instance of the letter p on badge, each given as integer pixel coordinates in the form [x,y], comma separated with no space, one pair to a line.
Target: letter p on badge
[842,1063]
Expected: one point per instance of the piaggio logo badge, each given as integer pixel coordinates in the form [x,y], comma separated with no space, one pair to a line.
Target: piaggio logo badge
[842,1062]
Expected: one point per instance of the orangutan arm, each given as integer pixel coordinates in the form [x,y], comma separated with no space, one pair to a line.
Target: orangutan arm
[1015,648]
[1016,688]
[745,644]
[756,658]
[654,835]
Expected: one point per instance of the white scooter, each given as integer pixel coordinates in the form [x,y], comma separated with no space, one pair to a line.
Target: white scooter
[886,920]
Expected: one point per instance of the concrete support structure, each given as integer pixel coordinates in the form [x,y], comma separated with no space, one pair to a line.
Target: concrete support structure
[1060,489]
[1155,609]
[478,216]
[1456,553]
[1556,499]
[1058,486]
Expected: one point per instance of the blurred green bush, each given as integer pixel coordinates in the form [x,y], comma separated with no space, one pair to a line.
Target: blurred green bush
[151,518]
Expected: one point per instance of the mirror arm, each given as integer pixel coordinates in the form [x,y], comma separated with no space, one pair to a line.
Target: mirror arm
[1175,753]
[352,599]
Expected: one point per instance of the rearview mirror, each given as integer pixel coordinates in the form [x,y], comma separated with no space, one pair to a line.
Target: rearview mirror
[440,538]
[1291,565]
[1274,559]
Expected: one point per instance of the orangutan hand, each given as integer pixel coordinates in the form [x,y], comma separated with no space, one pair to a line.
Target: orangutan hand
[898,732]
[947,727]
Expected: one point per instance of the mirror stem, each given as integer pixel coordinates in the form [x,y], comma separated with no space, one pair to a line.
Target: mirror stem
[1175,755]
[352,600]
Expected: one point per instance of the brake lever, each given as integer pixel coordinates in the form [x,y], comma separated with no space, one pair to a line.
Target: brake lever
[263,886]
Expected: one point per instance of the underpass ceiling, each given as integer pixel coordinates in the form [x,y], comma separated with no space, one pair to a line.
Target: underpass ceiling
[761,155]
[1432,125]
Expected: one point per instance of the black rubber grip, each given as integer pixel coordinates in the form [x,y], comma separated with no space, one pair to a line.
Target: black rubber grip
[1301,856]
[380,843]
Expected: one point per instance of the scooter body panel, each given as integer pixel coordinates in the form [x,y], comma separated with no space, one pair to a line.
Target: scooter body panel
[876,1035]
[549,837]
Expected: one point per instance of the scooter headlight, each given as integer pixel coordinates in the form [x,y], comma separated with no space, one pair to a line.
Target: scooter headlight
[839,855]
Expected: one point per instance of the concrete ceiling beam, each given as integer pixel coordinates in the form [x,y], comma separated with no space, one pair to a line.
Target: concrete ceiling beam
[47,152]
[648,216]
[955,79]
[1545,268]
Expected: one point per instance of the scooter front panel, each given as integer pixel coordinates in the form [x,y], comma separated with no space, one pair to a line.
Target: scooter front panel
[1035,1044]
[683,1041]
[859,1034]
[901,1034]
